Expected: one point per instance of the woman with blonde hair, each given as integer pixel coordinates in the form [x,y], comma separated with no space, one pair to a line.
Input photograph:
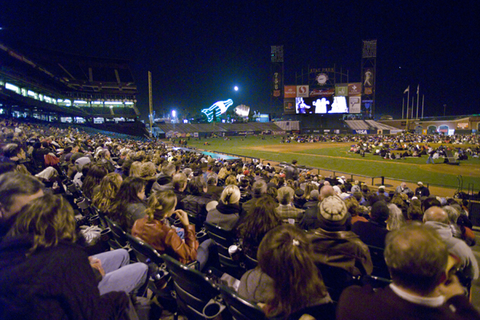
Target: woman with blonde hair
[227,212]
[136,169]
[44,274]
[155,230]
[109,187]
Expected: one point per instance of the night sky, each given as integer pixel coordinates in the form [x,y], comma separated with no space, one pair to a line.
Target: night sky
[198,51]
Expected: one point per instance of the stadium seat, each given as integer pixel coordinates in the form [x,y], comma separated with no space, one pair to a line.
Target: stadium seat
[119,236]
[380,268]
[240,308]
[223,239]
[196,297]
[336,279]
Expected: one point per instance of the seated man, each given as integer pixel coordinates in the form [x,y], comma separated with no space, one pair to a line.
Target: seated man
[421,289]
[374,231]
[333,244]
[437,219]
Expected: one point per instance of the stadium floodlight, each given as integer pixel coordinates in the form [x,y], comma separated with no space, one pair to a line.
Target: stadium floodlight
[80,102]
[114,102]
[174,114]
[235,88]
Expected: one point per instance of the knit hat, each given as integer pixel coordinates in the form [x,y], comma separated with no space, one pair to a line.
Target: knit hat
[332,214]
[380,211]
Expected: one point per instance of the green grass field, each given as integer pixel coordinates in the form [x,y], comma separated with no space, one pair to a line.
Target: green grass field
[334,157]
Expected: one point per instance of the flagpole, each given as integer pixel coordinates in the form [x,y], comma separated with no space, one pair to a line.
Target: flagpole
[408,101]
[423,103]
[413,105]
[403,105]
[418,98]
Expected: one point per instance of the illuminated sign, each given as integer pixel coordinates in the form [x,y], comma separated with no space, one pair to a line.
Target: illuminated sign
[217,109]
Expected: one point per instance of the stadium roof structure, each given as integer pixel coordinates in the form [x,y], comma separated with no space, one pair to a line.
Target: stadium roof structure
[67,76]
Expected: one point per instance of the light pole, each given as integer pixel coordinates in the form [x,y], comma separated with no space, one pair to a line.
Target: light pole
[444,109]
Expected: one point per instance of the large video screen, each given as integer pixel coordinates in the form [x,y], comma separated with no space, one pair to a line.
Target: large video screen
[321,105]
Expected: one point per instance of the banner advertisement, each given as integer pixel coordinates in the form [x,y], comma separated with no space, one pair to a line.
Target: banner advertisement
[355,104]
[368,90]
[289,106]
[354,89]
[341,89]
[278,133]
[363,131]
[302,91]
[277,84]
[290,91]
[322,92]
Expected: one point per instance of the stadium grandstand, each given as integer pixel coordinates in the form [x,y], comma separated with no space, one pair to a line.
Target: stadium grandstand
[37,83]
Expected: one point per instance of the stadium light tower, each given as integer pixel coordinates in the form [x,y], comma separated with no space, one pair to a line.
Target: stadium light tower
[235,88]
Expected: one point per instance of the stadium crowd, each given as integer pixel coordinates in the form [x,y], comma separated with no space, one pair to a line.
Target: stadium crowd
[309,236]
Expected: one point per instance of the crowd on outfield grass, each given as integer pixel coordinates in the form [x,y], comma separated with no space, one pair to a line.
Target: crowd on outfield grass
[304,232]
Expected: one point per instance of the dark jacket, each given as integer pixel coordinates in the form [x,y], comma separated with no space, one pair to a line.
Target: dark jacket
[342,249]
[225,216]
[196,206]
[365,303]
[53,283]
[371,233]
[164,239]
[309,220]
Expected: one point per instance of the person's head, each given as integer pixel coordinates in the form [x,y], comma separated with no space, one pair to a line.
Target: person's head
[353,207]
[430,202]
[326,191]
[49,219]
[135,169]
[436,214]
[396,219]
[452,213]
[148,170]
[379,212]
[230,180]
[416,257]
[259,188]
[285,195]
[212,179]
[230,195]
[16,190]
[332,214]
[197,185]
[131,190]
[414,210]
[109,187]
[179,182]
[169,170]
[161,205]
[285,254]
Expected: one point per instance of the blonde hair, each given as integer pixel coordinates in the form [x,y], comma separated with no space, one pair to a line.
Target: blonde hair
[285,195]
[230,195]
[230,180]
[136,169]
[109,187]
[148,170]
[159,204]
[50,219]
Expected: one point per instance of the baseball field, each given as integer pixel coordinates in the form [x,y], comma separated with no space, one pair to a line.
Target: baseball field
[329,156]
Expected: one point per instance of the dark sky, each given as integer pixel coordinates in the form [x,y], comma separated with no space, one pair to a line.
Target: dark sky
[198,50]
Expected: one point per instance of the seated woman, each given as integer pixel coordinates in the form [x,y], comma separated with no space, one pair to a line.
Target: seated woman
[45,275]
[285,256]
[257,223]
[109,187]
[155,230]
[227,212]
[128,205]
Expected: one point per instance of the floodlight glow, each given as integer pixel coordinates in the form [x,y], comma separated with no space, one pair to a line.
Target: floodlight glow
[97,102]
[174,114]
[218,108]
[114,102]
[12,87]
[80,102]
[235,88]
[31,93]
